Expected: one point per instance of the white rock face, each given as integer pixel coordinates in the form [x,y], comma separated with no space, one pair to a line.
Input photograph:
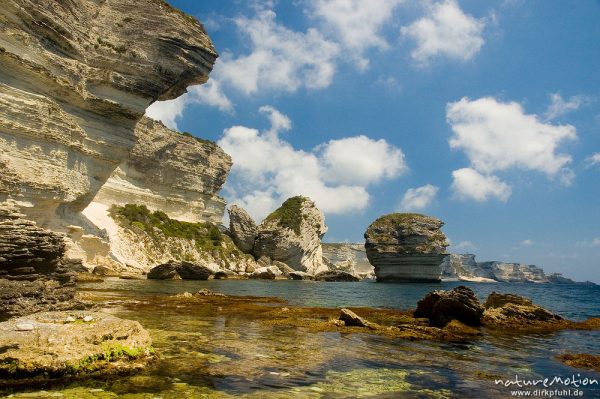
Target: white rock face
[171,172]
[464,267]
[75,78]
[351,258]
[514,272]
[292,235]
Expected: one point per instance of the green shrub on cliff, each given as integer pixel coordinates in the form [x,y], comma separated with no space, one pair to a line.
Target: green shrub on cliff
[289,214]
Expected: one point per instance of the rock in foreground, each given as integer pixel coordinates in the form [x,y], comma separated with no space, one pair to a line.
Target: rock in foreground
[509,311]
[179,270]
[406,247]
[441,307]
[53,345]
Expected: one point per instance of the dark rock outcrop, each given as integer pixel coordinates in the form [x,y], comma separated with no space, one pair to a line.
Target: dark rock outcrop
[176,270]
[301,276]
[242,228]
[34,275]
[336,275]
[406,247]
[440,307]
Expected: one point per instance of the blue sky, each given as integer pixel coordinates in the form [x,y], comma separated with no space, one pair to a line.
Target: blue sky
[484,114]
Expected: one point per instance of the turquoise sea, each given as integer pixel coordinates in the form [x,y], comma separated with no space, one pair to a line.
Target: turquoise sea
[206,354]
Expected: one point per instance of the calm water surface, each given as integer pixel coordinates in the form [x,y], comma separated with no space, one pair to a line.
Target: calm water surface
[205,354]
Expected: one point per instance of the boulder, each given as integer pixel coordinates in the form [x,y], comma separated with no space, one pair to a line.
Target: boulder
[243,228]
[292,235]
[285,269]
[516,312]
[406,247]
[440,307]
[99,344]
[336,275]
[175,270]
[266,273]
[301,276]
[351,319]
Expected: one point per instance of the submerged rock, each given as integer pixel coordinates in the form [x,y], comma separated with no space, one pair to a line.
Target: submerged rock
[441,307]
[243,228]
[406,247]
[176,270]
[581,360]
[53,348]
[336,275]
[292,235]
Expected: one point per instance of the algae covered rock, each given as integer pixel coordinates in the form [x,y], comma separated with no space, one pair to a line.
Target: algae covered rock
[292,235]
[242,228]
[406,247]
[508,311]
[441,307]
[72,344]
[179,270]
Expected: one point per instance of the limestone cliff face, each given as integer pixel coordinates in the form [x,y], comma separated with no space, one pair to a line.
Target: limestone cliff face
[75,78]
[171,172]
[514,272]
[406,247]
[243,228]
[347,257]
[292,235]
[464,267]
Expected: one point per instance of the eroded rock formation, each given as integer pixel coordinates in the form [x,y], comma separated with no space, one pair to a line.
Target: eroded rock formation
[75,78]
[292,235]
[406,247]
[350,258]
[243,228]
[168,171]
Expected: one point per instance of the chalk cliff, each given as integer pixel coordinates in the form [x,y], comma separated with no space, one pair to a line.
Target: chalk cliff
[75,78]
[351,258]
[168,171]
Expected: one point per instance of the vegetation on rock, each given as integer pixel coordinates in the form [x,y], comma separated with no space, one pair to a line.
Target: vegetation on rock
[289,215]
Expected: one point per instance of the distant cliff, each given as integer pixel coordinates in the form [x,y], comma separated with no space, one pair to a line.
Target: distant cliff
[347,257]
[464,267]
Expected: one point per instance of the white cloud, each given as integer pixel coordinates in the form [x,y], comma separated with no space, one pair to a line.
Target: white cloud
[356,23]
[211,94]
[469,184]
[497,136]
[279,58]
[593,160]
[168,111]
[464,245]
[594,242]
[445,31]
[526,243]
[267,170]
[360,160]
[418,198]
[559,107]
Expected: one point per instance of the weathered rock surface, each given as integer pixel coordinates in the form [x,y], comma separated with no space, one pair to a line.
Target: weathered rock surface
[509,311]
[513,272]
[171,172]
[336,275]
[243,228]
[179,270]
[406,247]
[266,273]
[75,78]
[465,268]
[292,235]
[351,319]
[350,258]
[295,275]
[74,343]
[440,307]
[34,275]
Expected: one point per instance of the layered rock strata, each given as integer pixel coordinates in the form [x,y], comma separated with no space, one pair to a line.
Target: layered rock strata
[171,172]
[406,247]
[75,78]
[350,258]
[292,235]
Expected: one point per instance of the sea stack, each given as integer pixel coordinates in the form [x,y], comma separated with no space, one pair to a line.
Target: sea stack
[406,247]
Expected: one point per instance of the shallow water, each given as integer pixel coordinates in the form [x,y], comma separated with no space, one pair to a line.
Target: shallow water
[208,353]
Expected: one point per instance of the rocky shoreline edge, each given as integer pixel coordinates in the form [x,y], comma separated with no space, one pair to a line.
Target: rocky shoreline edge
[43,348]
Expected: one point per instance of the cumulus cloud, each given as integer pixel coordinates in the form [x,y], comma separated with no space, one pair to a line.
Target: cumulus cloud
[593,160]
[168,111]
[356,23]
[526,243]
[279,58]
[594,242]
[467,183]
[267,170]
[497,136]
[464,245]
[445,31]
[559,106]
[418,198]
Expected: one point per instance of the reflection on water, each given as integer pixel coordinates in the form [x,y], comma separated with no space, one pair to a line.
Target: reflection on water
[208,353]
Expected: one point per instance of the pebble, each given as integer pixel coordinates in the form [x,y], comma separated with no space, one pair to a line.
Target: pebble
[70,319]
[25,327]
[88,319]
